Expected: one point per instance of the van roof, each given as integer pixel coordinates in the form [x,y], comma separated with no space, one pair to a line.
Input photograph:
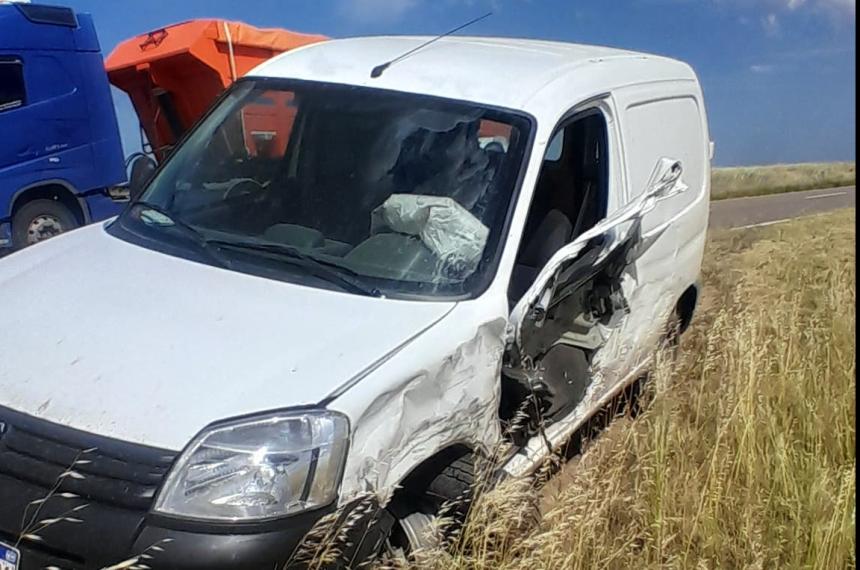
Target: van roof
[502,72]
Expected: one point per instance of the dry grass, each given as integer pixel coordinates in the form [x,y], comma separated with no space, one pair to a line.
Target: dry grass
[744,457]
[758,180]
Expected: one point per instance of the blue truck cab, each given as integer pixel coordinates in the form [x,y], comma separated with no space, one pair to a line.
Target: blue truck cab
[60,149]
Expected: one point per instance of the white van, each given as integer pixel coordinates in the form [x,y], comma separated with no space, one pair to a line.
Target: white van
[345,282]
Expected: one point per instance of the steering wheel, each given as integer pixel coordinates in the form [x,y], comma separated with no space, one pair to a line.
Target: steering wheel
[243,187]
[252,195]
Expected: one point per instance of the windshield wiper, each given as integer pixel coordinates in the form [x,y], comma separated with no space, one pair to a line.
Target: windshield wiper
[332,272]
[189,230]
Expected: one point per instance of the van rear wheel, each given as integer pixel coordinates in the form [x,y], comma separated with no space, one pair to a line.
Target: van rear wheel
[40,220]
[671,338]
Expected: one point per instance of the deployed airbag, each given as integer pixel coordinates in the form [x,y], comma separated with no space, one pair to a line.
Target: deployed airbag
[451,232]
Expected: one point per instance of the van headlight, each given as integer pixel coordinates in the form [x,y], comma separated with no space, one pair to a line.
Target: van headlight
[258,468]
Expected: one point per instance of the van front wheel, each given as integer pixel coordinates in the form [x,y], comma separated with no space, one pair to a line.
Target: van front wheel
[40,220]
[447,494]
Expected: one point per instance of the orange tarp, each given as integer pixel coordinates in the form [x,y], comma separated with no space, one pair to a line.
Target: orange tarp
[173,74]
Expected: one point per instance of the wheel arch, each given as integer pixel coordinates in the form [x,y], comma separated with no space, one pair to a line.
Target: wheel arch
[423,473]
[55,189]
[686,305]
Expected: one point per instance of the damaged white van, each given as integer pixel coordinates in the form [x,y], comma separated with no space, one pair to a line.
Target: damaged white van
[348,279]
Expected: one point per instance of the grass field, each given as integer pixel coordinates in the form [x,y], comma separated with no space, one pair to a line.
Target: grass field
[759,180]
[744,455]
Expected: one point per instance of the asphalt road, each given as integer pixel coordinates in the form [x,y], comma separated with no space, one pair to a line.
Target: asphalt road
[775,208]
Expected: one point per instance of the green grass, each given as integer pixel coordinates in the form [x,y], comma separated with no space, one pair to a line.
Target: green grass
[759,180]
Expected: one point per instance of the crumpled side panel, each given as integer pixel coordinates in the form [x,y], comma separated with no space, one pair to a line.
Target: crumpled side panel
[616,231]
[618,345]
[453,402]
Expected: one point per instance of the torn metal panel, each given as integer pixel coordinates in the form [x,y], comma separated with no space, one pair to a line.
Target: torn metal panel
[609,247]
[453,400]
[598,394]
[579,309]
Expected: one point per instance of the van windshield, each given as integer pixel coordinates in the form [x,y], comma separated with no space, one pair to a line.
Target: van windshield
[397,193]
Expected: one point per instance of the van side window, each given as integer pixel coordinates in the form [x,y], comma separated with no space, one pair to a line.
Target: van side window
[12,92]
[554,148]
[570,196]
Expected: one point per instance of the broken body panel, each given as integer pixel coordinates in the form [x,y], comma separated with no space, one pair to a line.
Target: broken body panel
[455,400]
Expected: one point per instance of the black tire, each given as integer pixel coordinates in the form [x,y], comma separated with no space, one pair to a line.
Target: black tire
[455,481]
[39,220]
[448,494]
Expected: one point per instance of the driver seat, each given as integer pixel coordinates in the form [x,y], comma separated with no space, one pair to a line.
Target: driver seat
[549,236]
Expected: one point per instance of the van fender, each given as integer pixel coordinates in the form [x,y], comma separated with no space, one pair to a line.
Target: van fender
[444,402]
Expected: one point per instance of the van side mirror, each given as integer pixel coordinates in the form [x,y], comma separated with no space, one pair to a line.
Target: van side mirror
[142,168]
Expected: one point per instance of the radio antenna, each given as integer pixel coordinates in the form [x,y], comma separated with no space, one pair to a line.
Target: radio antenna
[379,69]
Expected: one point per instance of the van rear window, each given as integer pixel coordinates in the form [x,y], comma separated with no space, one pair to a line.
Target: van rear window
[12,92]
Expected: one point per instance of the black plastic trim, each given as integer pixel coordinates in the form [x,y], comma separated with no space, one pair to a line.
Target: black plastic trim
[68,435]
[54,15]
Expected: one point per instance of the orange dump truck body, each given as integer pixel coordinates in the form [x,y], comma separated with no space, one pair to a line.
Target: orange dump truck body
[172,75]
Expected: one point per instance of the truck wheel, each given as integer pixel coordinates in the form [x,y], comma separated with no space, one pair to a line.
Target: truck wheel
[39,220]
[415,514]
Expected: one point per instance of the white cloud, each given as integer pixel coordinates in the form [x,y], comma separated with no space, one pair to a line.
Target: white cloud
[762,68]
[839,12]
[835,7]
[770,23]
[845,6]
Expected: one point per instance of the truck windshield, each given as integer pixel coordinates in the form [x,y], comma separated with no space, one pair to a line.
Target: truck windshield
[398,194]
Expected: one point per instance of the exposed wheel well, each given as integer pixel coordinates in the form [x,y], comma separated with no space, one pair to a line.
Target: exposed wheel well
[50,191]
[687,306]
[419,479]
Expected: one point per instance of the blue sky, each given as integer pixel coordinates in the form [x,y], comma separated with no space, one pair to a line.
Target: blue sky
[778,75]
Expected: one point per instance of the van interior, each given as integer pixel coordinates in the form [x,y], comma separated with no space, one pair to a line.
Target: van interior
[570,196]
[322,171]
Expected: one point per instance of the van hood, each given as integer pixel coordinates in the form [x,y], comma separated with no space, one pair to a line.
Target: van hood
[114,339]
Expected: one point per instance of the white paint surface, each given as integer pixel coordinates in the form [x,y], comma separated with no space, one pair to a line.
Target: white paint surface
[828,195]
[118,340]
[763,224]
[475,68]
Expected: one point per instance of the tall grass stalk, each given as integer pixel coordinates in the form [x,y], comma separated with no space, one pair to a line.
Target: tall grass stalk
[744,456]
[735,182]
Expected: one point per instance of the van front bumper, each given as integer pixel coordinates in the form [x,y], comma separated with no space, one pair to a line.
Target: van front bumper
[102,515]
[103,540]
[110,536]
